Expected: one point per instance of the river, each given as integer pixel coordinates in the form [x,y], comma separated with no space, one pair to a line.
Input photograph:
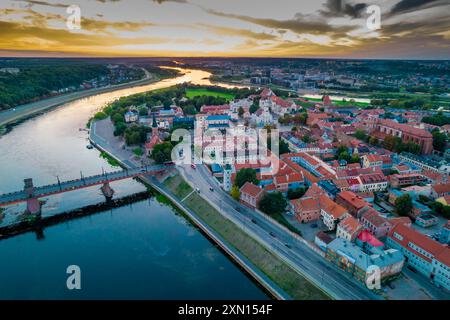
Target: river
[142,251]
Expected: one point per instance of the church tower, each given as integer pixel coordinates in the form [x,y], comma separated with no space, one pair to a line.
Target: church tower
[154,126]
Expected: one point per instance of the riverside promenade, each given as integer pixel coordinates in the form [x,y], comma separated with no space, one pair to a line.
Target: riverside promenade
[30,109]
[101,137]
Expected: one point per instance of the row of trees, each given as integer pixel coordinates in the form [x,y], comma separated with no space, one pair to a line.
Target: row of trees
[35,81]
[298,118]
[396,144]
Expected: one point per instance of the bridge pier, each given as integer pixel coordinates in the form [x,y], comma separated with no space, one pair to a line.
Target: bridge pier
[107,191]
[33,204]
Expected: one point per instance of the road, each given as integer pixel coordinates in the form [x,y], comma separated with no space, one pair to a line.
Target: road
[26,110]
[292,250]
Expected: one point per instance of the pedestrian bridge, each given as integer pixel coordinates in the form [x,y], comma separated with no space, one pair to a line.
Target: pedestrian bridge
[30,194]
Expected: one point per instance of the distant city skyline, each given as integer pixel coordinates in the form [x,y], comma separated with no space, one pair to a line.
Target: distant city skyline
[418,29]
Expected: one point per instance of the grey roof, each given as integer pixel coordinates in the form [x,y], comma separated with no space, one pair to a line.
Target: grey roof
[363,260]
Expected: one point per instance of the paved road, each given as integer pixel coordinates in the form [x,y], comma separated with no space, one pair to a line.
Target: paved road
[29,109]
[314,267]
[310,264]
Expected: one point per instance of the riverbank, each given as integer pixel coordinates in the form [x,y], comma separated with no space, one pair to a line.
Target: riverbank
[195,217]
[19,113]
[268,269]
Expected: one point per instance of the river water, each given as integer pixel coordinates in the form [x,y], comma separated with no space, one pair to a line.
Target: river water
[142,251]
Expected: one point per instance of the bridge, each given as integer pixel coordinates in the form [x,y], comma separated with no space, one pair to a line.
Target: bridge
[30,194]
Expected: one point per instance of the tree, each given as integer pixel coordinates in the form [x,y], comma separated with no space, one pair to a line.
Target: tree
[240,112]
[296,193]
[245,175]
[143,111]
[360,134]
[235,193]
[162,152]
[439,140]
[306,139]
[273,203]
[403,205]
[254,107]
[284,147]
[354,159]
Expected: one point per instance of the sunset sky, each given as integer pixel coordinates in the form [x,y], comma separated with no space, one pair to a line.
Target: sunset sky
[411,29]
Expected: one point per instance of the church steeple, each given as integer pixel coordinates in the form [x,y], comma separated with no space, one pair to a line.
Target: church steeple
[154,126]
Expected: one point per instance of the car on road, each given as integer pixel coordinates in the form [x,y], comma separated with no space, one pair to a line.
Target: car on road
[287,245]
[198,190]
[314,225]
[211,189]
[193,166]
[254,221]
[238,209]
[273,234]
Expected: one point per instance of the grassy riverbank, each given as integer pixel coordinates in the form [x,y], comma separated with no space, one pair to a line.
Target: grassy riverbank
[287,278]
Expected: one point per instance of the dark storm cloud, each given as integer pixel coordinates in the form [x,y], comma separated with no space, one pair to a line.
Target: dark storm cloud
[409,5]
[338,8]
[43,3]
[299,24]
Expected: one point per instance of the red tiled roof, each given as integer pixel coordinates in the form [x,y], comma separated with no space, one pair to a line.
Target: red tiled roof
[366,236]
[353,199]
[374,158]
[439,251]
[441,188]
[350,224]
[251,189]
[373,216]
[331,207]
[314,191]
[406,128]
[306,204]
[373,178]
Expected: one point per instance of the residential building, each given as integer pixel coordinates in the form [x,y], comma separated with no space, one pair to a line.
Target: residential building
[322,240]
[352,259]
[406,179]
[373,182]
[348,228]
[306,209]
[440,190]
[426,220]
[331,213]
[371,160]
[250,195]
[374,222]
[131,116]
[444,236]
[352,202]
[427,256]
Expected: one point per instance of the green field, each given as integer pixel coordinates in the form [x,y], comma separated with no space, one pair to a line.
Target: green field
[341,103]
[287,278]
[190,93]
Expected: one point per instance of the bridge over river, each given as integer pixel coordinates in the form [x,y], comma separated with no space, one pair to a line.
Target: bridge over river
[30,194]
